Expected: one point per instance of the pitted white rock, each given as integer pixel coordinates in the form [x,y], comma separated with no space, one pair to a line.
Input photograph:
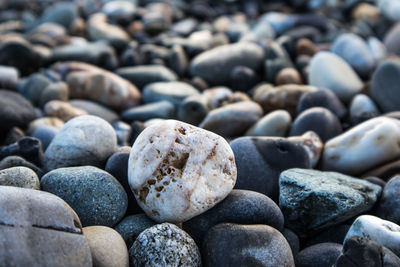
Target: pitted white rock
[178,171]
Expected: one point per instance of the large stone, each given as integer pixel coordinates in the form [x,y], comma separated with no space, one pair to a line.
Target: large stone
[85,140]
[246,245]
[164,245]
[96,196]
[216,65]
[312,200]
[178,171]
[363,147]
[39,229]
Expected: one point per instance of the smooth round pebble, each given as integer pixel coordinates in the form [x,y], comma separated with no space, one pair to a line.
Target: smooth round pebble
[276,123]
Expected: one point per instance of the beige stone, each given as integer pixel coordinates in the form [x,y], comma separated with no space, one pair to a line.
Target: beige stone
[63,110]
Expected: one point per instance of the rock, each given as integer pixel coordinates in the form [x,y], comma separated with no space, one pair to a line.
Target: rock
[260,160]
[293,241]
[40,229]
[312,143]
[16,161]
[362,108]
[174,92]
[282,97]
[9,77]
[361,251]
[328,70]
[45,134]
[163,109]
[144,75]
[347,153]
[193,109]
[319,120]
[95,109]
[54,91]
[19,177]
[13,135]
[322,98]
[96,196]
[131,227]
[383,232]
[377,49]
[123,131]
[215,66]
[243,78]
[62,13]
[334,234]
[33,88]
[85,140]
[62,110]
[355,51]
[246,245]
[275,123]
[388,205]
[218,96]
[392,39]
[233,119]
[157,18]
[15,111]
[306,47]
[27,147]
[241,207]
[385,171]
[106,246]
[45,122]
[164,244]
[177,60]
[288,76]
[276,59]
[178,171]
[390,9]
[383,88]
[323,254]
[121,12]
[312,200]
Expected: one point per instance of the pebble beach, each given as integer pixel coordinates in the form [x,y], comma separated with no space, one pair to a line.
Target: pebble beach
[200,133]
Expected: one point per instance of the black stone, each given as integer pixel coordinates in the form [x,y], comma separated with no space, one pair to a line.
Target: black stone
[29,148]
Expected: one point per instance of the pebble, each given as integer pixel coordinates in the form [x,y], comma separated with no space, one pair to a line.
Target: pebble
[328,70]
[16,161]
[383,86]
[45,134]
[27,147]
[85,140]
[45,122]
[312,143]
[193,109]
[312,200]
[218,96]
[362,108]
[9,77]
[164,245]
[62,110]
[260,160]
[163,109]
[106,246]
[19,177]
[323,254]
[229,244]
[95,109]
[119,11]
[216,65]
[95,195]
[275,123]
[54,91]
[293,241]
[288,76]
[233,119]
[174,92]
[392,40]
[41,229]
[363,147]
[131,227]
[241,207]
[383,232]
[385,171]
[390,9]
[319,120]
[34,86]
[243,78]
[178,171]
[387,207]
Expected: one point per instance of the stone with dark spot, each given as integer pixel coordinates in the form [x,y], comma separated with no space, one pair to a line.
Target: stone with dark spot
[240,206]
[319,255]
[312,200]
[260,160]
[229,244]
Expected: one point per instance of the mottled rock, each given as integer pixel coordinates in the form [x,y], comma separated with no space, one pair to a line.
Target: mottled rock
[16,161]
[131,227]
[19,177]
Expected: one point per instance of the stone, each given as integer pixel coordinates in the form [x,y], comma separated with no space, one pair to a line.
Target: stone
[162,109]
[13,135]
[260,161]
[215,66]
[323,254]
[95,195]
[233,119]
[27,147]
[106,246]
[390,9]
[387,207]
[322,98]
[275,123]
[377,49]
[62,13]
[347,153]
[319,120]
[16,161]
[385,171]
[334,234]
[45,134]
[359,251]
[178,171]
[33,88]
[312,143]
[328,70]
[193,109]
[95,109]
[45,121]
[355,51]
[40,229]
[243,78]
[241,207]
[293,241]
[392,39]
[312,200]
[305,46]
[157,18]
[174,92]
[383,88]
[246,245]
[218,96]
[85,140]
[163,245]
[54,91]
[383,232]
[131,227]
[282,97]
[8,77]
[144,75]
[121,12]
[62,110]
[288,76]
[177,60]
[15,111]
[362,108]
[19,177]
[123,131]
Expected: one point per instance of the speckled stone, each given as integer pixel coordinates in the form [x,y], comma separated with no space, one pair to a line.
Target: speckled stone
[164,245]
[19,177]
[178,171]
[131,227]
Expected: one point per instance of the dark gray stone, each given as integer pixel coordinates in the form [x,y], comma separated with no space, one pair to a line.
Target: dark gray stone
[193,109]
[157,110]
[141,76]
[319,255]
[29,148]
[95,109]
[174,92]
[388,207]
[293,241]
[131,227]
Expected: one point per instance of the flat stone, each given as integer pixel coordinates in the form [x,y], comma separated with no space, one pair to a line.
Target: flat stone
[19,177]
[312,200]
[363,147]
[178,171]
[163,245]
